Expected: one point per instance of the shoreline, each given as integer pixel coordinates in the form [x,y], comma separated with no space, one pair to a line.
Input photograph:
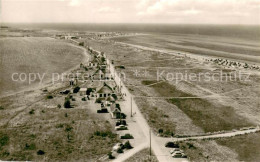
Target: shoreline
[194,56]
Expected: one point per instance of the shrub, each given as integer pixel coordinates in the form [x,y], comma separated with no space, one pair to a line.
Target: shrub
[127,145]
[120,151]
[66,115]
[1,108]
[49,97]
[83,99]
[59,106]
[127,136]
[110,156]
[103,59]
[76,89]
[30,147]
[4,139]
[67,104]
[81,44]
[31,112]
[160,131]
[105,134]
[40,152]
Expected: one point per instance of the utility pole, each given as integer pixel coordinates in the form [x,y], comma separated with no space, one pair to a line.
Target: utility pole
[150,145]
[131,106]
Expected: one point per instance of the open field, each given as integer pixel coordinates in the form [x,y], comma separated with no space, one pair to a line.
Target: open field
[143,156]
[34,55]
[238,148]
[226,106]
[69,134]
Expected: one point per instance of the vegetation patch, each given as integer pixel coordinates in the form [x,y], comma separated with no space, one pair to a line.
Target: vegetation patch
[204,114]
[209,117]
[246,146]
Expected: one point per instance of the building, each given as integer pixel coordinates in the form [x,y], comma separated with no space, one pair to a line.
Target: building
[105,91]
[83,91]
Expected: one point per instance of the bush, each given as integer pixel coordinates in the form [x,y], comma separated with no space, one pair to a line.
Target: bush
[1,108]
[30,147]
[160,131]
[83,99]
[81,44]
[4,139]
[67,104]
[76,89]
[105,134]
[120,151]
[127,145]
[31,112]
[127,136]
[49,97]
[40,152]
[110,156]
[59,106]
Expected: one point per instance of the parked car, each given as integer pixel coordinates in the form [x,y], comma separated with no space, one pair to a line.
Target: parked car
[120,122]
[117,146]
[65,92]
[121,127]
[177,155]
[171,145]
[175,150]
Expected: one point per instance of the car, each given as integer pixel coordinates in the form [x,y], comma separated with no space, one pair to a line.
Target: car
[175,150]
[121,127]
[171,145]
[117,146]
[65,92]
[177,155]
[120,122]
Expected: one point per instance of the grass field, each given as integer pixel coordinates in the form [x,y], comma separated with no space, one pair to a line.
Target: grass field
[143,156]
[247,147]
[238,148]
[34,55]
[59,134]
[204,114]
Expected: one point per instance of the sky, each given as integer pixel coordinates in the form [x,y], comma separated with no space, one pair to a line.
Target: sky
[131,11]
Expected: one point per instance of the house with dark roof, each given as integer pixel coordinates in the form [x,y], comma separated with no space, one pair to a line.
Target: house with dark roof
[105,91]
[93,62]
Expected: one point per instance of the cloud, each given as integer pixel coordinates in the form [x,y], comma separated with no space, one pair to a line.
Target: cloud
[108,9]
[196,9]
[73,3]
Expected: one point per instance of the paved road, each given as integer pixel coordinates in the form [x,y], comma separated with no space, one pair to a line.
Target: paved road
[157,146]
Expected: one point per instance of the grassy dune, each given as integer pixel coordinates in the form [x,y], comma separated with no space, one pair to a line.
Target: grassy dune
[34,55]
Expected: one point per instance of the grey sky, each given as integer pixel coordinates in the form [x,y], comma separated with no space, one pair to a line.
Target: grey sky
[132,11]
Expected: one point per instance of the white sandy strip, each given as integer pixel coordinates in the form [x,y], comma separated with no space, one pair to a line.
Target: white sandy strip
[221,135]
